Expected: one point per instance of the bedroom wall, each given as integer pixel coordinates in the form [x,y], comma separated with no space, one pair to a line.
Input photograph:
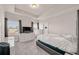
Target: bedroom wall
[1,23]
[9,7]
[12,15]
[26,21]
[63,22]
[2,16]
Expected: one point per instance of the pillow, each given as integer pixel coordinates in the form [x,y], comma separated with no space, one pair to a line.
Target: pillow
[54,35]
[68,37]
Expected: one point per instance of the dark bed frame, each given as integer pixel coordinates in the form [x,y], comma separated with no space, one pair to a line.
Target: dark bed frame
[50,49]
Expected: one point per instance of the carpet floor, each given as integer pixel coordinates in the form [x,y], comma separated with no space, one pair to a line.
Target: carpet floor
[27,48]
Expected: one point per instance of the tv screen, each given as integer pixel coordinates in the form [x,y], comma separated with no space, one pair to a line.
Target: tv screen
[27,29]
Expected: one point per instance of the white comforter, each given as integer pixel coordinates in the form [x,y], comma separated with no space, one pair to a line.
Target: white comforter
[59,42]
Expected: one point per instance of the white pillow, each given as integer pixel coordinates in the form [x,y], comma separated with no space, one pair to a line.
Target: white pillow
[54,35]
[68,37]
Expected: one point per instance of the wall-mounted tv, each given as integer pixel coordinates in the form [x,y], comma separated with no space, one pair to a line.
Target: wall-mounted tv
[27,29]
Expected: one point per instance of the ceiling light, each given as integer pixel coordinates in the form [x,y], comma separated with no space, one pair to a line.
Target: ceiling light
[34,5]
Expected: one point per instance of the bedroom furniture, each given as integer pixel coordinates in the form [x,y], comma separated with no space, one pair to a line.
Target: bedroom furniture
[4,48]
[12,41]
[27,29]
[47,49]
[64,43]
[51,49]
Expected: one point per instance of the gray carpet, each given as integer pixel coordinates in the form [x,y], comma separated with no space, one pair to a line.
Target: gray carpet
[27,48]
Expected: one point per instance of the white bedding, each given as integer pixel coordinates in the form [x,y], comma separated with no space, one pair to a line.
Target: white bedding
[58,41]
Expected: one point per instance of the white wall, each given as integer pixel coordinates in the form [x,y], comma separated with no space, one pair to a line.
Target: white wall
[9,7]
[11,15]
[1,23]
[63,23]
[26,21]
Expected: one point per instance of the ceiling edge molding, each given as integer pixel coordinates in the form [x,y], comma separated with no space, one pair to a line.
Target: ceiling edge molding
[59,13]
[25,13]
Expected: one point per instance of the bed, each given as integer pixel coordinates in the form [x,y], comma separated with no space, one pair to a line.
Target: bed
[56,45]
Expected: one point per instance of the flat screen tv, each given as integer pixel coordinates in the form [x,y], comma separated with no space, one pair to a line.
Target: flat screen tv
[27,29]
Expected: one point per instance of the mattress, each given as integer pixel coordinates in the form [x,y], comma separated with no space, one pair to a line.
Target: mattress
[58,41]
[50,49]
